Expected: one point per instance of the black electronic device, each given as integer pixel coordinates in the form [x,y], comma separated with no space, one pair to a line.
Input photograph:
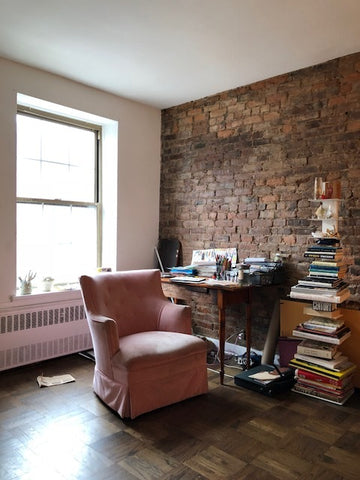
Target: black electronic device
[266,379]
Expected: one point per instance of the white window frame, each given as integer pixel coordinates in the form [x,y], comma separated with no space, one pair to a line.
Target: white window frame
[97,203]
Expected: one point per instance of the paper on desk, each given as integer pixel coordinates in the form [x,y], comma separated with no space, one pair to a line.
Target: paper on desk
[56,380]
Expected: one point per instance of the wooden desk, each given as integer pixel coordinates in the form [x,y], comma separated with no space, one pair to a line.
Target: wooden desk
[226,296]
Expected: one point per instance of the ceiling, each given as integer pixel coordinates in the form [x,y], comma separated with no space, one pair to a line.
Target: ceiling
[167,52]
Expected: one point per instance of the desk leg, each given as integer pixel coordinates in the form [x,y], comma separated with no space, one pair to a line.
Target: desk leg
[248,331]
[222,343]
[221,308]
[248,335]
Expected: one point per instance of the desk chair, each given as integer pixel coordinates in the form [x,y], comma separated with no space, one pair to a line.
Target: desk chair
[169,253]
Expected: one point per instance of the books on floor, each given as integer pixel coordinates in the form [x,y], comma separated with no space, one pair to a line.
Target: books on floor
[319,380]
[338,399]
[332,384]
[337,364]
[348,369]
[322,371]
[324,386]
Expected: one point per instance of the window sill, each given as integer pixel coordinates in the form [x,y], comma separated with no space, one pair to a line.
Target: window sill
[42,298]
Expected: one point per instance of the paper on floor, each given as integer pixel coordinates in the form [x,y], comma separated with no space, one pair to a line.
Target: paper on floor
[56,380]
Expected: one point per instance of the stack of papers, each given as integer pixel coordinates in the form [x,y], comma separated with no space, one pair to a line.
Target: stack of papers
[186,279]
[189,270]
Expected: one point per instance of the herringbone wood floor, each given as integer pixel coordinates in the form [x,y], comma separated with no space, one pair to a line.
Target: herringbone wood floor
[65,432]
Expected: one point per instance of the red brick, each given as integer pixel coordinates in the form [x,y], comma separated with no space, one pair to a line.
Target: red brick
[289,240]
[225,133]
[253,119]
[336,101]
[353,126]
[268,117]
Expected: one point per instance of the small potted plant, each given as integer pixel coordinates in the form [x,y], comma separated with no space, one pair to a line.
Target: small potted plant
[47,284]
[25,283]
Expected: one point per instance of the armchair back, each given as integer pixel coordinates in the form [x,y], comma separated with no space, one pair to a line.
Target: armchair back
[134,299]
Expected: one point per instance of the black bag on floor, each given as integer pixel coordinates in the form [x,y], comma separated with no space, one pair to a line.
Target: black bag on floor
[266,379]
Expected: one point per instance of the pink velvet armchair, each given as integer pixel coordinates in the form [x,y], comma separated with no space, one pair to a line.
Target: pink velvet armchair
[145,355]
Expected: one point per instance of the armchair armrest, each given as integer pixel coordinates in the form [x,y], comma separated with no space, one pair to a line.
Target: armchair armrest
[175,318]
[105,338]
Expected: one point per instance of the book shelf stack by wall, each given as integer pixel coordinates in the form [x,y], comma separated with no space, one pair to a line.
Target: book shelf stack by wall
[322,369]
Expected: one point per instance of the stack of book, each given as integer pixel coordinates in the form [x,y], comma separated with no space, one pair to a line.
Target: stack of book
[334,387]
[327,270]
[322,371]
[323,329]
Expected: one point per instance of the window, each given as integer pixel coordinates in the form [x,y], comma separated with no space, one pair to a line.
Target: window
[58,198]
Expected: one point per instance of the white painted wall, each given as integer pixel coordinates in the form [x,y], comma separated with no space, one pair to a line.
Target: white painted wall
[138,169]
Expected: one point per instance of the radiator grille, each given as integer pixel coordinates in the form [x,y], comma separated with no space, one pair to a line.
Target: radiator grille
[33,335]
[40,318]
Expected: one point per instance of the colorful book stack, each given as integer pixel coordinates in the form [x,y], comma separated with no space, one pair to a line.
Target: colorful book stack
[321,369]
[325,282]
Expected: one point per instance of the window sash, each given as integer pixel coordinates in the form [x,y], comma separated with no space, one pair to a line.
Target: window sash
[72,160]
[73,203]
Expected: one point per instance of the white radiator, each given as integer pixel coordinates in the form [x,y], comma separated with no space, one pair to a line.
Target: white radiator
[33,334]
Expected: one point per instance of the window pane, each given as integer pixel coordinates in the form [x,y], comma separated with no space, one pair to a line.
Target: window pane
[55,161]
[56,241]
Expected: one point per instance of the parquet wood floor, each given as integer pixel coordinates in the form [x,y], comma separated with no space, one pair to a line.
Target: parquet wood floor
[66,433]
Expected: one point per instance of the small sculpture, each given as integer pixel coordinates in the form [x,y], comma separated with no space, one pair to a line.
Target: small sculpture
[329,212]
[25,283]
[320,212]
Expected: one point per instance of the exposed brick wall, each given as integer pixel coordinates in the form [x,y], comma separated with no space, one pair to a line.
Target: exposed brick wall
[238,168]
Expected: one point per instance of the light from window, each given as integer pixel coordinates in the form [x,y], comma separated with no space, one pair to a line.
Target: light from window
[57,199]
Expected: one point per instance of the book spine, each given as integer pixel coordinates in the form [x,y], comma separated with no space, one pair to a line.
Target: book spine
[316,352]
[325,256]
[322,370]
[314,336]
[325,387]
[328,264]
[316,377]
[326,273]
[321,327]
[320,362]
[316,393]
[314,290]
[321,298]
[324,249]
[321,306]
